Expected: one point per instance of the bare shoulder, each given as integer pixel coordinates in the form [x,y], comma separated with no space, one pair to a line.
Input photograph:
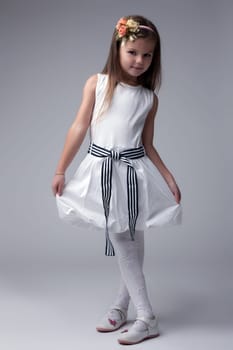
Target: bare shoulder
[90,84]
[88,100]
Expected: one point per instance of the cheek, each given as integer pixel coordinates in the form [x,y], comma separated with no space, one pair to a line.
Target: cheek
[124,60]
[149,63]
[122,57]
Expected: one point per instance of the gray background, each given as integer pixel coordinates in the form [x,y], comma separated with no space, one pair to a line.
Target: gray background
[53,288]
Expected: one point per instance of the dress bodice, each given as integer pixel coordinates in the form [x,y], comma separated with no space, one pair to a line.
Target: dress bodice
[121,125]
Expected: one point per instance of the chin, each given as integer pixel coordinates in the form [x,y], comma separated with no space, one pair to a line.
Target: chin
[137,73]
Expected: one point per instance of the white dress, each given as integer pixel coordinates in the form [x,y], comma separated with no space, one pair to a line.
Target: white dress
[119,128]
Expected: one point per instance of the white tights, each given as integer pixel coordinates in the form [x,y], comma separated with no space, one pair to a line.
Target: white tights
[130,255]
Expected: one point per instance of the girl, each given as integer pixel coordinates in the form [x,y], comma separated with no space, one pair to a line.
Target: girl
[122,185]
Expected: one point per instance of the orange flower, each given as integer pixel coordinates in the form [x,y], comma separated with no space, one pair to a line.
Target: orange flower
[121,27]
[122,21]
[122,30]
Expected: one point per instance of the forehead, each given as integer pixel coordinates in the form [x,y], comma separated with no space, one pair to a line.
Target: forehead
[141,44]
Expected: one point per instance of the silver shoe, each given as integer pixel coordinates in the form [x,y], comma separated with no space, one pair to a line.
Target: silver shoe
[110,323]
[133,336]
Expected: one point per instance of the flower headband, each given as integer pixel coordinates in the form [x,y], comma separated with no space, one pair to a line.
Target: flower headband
[128,28]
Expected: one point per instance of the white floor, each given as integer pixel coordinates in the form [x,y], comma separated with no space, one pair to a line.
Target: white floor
[56,307]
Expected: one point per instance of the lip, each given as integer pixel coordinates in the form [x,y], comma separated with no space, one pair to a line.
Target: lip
[137,68]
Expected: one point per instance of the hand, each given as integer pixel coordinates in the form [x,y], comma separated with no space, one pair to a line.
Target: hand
[175,190]
[58,184]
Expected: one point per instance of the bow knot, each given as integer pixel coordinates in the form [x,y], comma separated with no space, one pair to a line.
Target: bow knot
[115,155]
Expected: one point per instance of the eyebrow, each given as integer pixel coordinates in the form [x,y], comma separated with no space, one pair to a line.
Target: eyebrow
[131,48]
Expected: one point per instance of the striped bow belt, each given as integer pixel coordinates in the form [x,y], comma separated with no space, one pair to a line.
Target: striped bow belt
[126,157]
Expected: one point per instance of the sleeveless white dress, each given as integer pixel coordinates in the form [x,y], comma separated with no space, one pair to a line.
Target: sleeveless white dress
[119,128]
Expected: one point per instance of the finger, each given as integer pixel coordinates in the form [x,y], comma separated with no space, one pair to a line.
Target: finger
[55,188]
[177,197]
[179,194]
[60,187]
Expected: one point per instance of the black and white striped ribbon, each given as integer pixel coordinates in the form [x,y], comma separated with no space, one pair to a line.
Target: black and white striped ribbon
[125,156]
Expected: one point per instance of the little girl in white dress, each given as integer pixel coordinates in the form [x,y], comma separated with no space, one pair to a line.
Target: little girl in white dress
[122,186]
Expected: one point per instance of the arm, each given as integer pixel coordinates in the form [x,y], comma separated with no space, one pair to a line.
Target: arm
[147,140]
[76,133]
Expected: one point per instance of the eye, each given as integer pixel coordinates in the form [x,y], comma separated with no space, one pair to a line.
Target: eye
[148,55]
[132,52]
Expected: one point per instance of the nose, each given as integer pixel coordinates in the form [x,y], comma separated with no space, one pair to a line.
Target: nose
[139,59]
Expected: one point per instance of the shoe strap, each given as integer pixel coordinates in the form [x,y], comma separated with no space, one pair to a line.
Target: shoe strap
[146,320]
[122,312]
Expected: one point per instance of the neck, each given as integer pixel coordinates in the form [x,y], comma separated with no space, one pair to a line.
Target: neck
[127,79]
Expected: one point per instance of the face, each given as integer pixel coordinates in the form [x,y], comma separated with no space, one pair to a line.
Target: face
[136,56]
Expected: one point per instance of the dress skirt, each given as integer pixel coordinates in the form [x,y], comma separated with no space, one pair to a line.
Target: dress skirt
[81,201]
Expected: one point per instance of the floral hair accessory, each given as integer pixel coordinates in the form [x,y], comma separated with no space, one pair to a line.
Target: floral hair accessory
[128,29]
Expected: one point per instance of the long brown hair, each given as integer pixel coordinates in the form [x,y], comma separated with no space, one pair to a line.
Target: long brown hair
[151,79]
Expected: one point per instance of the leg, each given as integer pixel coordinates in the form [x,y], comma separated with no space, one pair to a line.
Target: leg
[146,324]
[130,264]
[123,297]
[114,319]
